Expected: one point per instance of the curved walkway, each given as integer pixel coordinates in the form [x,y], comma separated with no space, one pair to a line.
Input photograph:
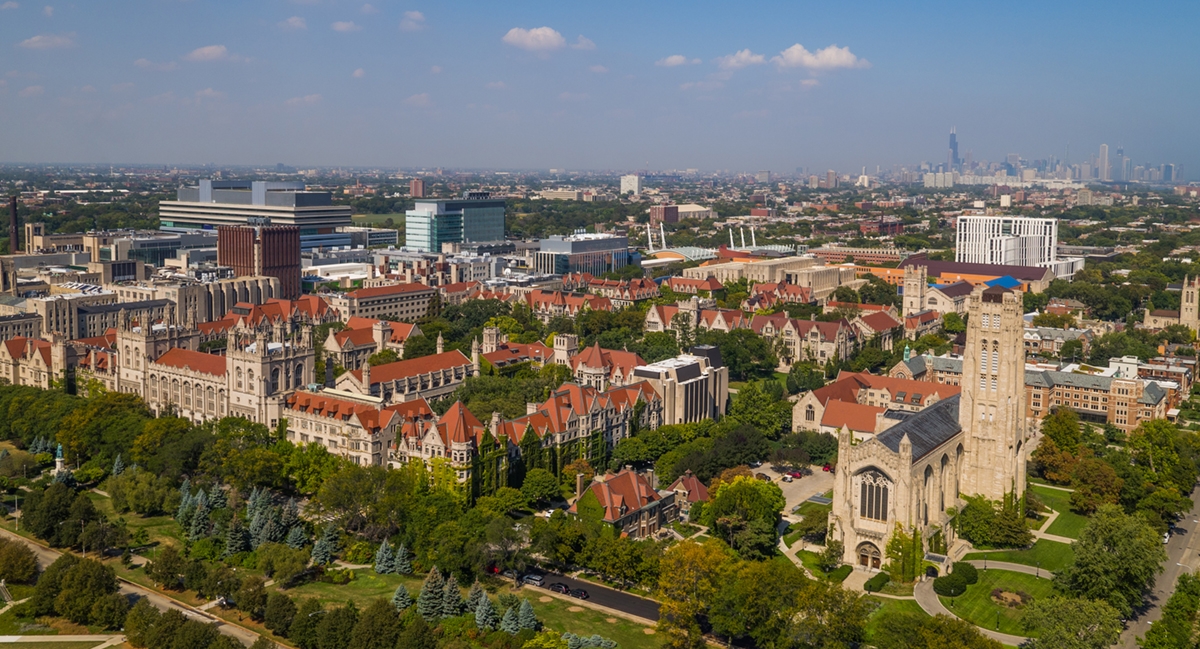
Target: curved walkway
[1012,567]
[929,602]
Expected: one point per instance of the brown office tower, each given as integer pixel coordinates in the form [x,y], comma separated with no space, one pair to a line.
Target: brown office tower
[416,188]
[263,250]
[664,214]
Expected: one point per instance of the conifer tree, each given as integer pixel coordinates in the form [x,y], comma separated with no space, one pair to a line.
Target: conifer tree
[290,514]
[199,524]
[296,538]
[401,599]
[217,499]
[237,539]
[474,595]
[118,466]
[384,564]
[485,615]
[403,562]
[508,623]
[453,604]
[429,602]
[525,617]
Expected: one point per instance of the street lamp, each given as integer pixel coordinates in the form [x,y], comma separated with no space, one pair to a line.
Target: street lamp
[1039,570]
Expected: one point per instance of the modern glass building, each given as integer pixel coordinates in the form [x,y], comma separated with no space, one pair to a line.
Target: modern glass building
[474,218]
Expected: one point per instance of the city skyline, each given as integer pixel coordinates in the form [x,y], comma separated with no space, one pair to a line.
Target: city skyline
[543,86]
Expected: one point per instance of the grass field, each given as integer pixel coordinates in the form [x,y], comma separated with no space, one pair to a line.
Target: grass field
[160,529]
[977,606]
[813,563]
[805,509]
[887,605]
[378,220]
[779,376]
[555,614]
[1051,555]
[1068,523]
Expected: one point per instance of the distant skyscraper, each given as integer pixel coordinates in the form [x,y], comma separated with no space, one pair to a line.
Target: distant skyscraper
[954,160]
[1102,167]
[631,184]
[831,179]
[416,188]
[763,177]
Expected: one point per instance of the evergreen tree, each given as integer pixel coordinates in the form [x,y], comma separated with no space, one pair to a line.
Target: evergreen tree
[296,538]
[290,514]
[508,623]
[183,513]
[525,617]
[401,599]
[429,602]
[403,562]
[199,526]
[237,539]
[201,499]
[257,523]
[384,564]
[485,615]
[118,466]
[326,546]
[474,595]
[251,502]
[218,499]
[452,604]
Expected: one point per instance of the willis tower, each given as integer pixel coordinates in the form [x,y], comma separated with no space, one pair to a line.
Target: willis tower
[953,160]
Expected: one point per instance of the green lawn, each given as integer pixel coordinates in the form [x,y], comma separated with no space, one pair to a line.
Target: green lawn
[377,219]
[813,563]
[160,529]
[779,376]
[1068,523]
[888,605]
[806,508]
[10,624]
[977,606]
[1051,555]
[555,614]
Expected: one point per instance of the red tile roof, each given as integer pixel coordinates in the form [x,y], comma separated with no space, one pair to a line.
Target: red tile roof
[621,494]
[851,414]
[394,289]
[369,418]
[400,370]
[19,346]
[360,331]
[609,359]
[695,490]
[181,358]
[880,321]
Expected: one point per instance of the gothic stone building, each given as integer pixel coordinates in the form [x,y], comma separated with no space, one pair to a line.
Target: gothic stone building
[969,444]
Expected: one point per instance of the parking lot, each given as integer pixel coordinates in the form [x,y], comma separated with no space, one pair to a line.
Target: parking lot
[799,489]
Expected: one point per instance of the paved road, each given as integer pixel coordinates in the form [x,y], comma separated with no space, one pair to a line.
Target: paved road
[1013,567]
[607,597]
[1181,557]
[47,556]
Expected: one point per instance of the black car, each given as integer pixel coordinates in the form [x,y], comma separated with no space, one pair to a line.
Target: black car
[559,587]
[579,593]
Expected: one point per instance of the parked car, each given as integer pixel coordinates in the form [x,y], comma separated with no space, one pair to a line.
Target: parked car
[560,587]
[786,477]
[579,593]
[826,468]
[511,574]
[755,465]
[796,474]
[536,580]
[1166,537]
[762,476]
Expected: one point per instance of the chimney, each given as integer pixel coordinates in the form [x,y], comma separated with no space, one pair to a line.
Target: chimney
[579,484]
[653,479]
[531,408]
[14,247]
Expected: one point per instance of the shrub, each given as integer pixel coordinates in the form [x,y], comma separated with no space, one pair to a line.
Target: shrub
[362,552]
[876,583]
[952,585]
[968,572]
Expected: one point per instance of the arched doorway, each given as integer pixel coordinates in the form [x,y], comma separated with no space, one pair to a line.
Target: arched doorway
[869,555]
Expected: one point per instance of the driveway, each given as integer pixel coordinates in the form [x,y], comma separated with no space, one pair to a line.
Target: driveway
[604,596]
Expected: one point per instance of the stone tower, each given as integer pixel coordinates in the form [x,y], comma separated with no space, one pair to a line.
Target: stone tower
[992,407]
[1187,303]
[491,339]
[565,346]
[915,284]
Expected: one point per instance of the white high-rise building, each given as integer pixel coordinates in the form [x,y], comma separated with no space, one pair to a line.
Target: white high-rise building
[1006,240]
[1103,170]
[631,184]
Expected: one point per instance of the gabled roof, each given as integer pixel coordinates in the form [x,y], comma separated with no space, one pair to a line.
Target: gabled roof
[392,289]
[360,331]
[19,346]
[612,360]
[957,289]
[371,419]
[926,430]
[181,358]
[459,426]
[401,370]
[512,353]
[855,416]
[880,321]
[621,494]
[694,489]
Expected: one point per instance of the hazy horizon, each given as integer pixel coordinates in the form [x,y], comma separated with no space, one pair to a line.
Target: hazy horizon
[622,86]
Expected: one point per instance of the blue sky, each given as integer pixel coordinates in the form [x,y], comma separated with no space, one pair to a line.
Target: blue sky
[612,85]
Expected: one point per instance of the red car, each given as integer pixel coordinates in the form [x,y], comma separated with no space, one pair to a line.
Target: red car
[795,474]
[827,468]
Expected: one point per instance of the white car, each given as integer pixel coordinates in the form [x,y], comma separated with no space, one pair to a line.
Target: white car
[1166,537]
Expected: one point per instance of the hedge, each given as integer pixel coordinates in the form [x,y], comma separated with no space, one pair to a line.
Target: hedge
[876,583]
[968,572]
[952,585]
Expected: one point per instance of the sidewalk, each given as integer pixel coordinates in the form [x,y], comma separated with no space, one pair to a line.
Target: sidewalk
[931,604]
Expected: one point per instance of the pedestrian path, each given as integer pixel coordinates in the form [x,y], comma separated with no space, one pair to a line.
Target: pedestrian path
[1012,567]
[932,605]
[1041,533]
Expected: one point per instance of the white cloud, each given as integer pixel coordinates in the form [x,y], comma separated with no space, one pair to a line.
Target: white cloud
[9,5]
[572,96]
[828,58]
[49,41]
[740,59]
[414,21]
[419,100]
[48,10]
[359,73]
[31,91]
[496,85]
[369,9]
[147,64]
[208,53]
[675,60]
[583,43]
[437,69]
[598,69]
[809,83]
[295,22]
[538,39]
[209,93]
[306,100]
[345,26]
